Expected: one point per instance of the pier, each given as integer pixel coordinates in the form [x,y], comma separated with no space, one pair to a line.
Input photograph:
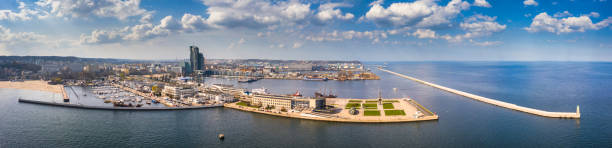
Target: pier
[495,102]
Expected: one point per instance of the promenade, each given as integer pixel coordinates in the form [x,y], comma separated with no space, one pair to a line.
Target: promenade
[495,102]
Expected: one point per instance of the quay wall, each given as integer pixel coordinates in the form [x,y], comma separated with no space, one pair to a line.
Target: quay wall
[495,102]
[114,108]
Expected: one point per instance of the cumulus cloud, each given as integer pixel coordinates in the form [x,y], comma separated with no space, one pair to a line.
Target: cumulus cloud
[329,11]
[476,26]
[422,13]
[143,31]
[254,13]
[424,33]
[481,25]
[121,9]
[24,13]
[482,3]
[11,42]
[375,36]
[559,25]
[530,3]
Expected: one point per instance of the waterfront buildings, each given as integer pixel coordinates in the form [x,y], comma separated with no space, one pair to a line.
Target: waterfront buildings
[286,101]
[177,92]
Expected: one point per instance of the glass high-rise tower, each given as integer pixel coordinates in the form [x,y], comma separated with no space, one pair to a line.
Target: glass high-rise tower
[196,58]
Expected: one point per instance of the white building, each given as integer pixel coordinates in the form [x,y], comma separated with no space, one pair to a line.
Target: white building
[178,92]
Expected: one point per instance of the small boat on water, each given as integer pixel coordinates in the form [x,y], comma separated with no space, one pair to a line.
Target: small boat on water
[314,79]
[107,101]
[247,80]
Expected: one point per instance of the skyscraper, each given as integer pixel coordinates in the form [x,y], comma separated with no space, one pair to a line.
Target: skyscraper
[196,58]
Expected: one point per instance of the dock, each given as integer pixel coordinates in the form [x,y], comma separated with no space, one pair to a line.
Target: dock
[538,112]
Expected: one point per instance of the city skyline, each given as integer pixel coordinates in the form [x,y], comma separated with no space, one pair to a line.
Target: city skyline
[473,30]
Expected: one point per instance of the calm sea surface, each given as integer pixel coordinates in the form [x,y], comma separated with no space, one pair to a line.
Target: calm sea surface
[551,86]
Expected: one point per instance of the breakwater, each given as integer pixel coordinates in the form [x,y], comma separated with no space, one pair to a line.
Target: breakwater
[495,102]
[114,108]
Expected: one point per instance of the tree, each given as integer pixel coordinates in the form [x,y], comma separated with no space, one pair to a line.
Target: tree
[156,90]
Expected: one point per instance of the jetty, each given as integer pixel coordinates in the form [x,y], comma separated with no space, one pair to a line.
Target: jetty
[495,102]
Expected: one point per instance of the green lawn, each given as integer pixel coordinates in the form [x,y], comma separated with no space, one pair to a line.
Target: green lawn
[371,113]
[242,104]
[388,106]
[245,104]
[394,112]
[354,101]
[370,106]
[356,105]
[371,101]
[390,101]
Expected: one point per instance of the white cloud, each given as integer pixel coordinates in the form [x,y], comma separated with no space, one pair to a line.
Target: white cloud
[401,13]
[563,14]
[329,12]
[120,9]
[530,3]
[482,3]
[375,35]
[143,31]
[24,13]
[254,13]
[594,14]
[443,15]
[424,33]
[481,25]
[194,23]
[485,43]
[22,43]
[476,26]
[422,13]
[559,25]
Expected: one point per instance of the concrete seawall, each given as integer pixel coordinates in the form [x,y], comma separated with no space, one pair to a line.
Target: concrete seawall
[495,102]
[114,108]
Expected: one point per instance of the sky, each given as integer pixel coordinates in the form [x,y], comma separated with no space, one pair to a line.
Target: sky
[381,30]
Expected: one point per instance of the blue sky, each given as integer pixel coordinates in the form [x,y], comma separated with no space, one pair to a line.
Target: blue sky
[472,30]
